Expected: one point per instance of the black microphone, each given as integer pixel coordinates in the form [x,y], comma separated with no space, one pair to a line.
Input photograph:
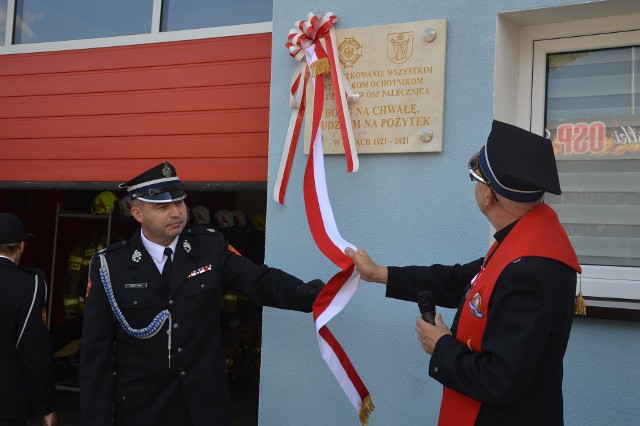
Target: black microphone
[427,307]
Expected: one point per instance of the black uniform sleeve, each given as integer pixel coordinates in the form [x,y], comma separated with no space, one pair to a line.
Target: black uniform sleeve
[35,352]
[518,331]
[96,366]
[447,283]
[264,285]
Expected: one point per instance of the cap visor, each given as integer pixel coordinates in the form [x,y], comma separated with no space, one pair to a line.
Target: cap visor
[163,197]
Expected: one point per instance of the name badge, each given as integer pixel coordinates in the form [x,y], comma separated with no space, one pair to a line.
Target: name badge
[136,285]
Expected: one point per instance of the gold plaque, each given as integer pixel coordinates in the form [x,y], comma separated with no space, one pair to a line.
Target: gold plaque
[398,72]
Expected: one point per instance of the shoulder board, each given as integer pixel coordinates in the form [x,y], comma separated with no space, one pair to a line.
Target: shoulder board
[31,272]
[115,246]
[201,229]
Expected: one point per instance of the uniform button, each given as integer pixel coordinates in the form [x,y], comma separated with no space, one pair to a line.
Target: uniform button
[179,350]
[202,285]
[176,325]
[435,369]
[124,397]
[183,373]
[171,302]
[135,302]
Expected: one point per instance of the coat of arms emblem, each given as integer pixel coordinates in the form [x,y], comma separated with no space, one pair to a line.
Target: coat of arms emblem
[400,46]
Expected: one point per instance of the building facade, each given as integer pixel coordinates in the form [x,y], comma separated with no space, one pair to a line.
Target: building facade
[417,209]
[209,90]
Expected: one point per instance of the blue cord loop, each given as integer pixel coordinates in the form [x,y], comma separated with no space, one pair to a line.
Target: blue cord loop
[141,333]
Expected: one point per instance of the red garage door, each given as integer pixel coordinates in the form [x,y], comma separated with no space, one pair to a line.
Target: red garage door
[95,115]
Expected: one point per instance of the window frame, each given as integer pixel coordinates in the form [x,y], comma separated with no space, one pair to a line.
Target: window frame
[153,36]
[610,291]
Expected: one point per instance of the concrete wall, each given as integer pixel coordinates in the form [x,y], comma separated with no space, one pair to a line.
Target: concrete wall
[414,209]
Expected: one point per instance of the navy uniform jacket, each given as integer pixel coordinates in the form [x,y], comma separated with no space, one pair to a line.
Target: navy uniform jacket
[26,375]
[518,376]
[145,390]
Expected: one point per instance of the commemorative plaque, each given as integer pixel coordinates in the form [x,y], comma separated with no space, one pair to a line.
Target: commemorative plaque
[398,72]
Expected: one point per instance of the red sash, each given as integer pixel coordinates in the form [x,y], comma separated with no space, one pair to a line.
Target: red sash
[538,233]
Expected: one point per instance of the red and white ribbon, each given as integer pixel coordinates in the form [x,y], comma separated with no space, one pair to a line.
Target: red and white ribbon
[312,41]
[340,288]
[316,33]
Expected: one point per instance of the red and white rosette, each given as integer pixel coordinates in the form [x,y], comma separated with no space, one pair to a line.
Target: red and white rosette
[315,34]
[312,42]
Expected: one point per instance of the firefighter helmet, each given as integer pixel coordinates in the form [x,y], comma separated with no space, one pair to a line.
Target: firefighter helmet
[105,202]
[259,222]
[126,203]
[240,218]
[224,218]
[200,215]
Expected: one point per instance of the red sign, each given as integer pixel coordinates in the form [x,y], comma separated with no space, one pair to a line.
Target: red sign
[593,140]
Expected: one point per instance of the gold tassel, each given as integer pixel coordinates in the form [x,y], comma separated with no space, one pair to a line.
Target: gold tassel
[319,67]
[580,307]
[365,410]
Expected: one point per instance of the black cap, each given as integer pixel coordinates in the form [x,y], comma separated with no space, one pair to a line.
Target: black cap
[12,229]
[519,165]
[159,184]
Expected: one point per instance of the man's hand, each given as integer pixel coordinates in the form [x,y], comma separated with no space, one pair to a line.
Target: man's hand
[430,334]
[50,419]
[369,270]
[307,293]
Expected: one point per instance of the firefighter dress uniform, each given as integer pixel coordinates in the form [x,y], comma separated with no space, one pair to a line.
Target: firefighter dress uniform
[26,376]
[503,365]
[169,362]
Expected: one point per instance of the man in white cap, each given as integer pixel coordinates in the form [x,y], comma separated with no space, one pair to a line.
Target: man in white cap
[26,375]
[157,296]
[501,362]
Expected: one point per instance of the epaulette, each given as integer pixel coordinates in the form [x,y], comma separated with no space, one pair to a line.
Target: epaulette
[32,271]
[201,229]
[115,246]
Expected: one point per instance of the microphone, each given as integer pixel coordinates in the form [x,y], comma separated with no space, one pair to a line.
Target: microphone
[427,307]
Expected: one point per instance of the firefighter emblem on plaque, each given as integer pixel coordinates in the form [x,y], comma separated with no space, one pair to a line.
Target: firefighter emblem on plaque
[350,52]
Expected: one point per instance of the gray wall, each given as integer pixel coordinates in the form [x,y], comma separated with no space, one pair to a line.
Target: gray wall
[409,209]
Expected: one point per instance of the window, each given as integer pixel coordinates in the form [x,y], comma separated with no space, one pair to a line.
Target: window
[28,26]
[585,97]
[190,14]
[591,116]
[44,20]
[3,20]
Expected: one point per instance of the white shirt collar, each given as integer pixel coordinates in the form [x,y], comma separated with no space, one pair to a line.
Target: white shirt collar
[156,251]
[6,257]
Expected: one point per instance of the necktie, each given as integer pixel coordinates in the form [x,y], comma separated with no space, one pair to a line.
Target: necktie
[166,270]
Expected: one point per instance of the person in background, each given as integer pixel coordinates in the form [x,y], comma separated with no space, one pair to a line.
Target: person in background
[157,296]
[501,363]
[26,375]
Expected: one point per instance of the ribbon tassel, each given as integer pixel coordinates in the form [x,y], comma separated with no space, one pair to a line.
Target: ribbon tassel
[321,66]
[580,307]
